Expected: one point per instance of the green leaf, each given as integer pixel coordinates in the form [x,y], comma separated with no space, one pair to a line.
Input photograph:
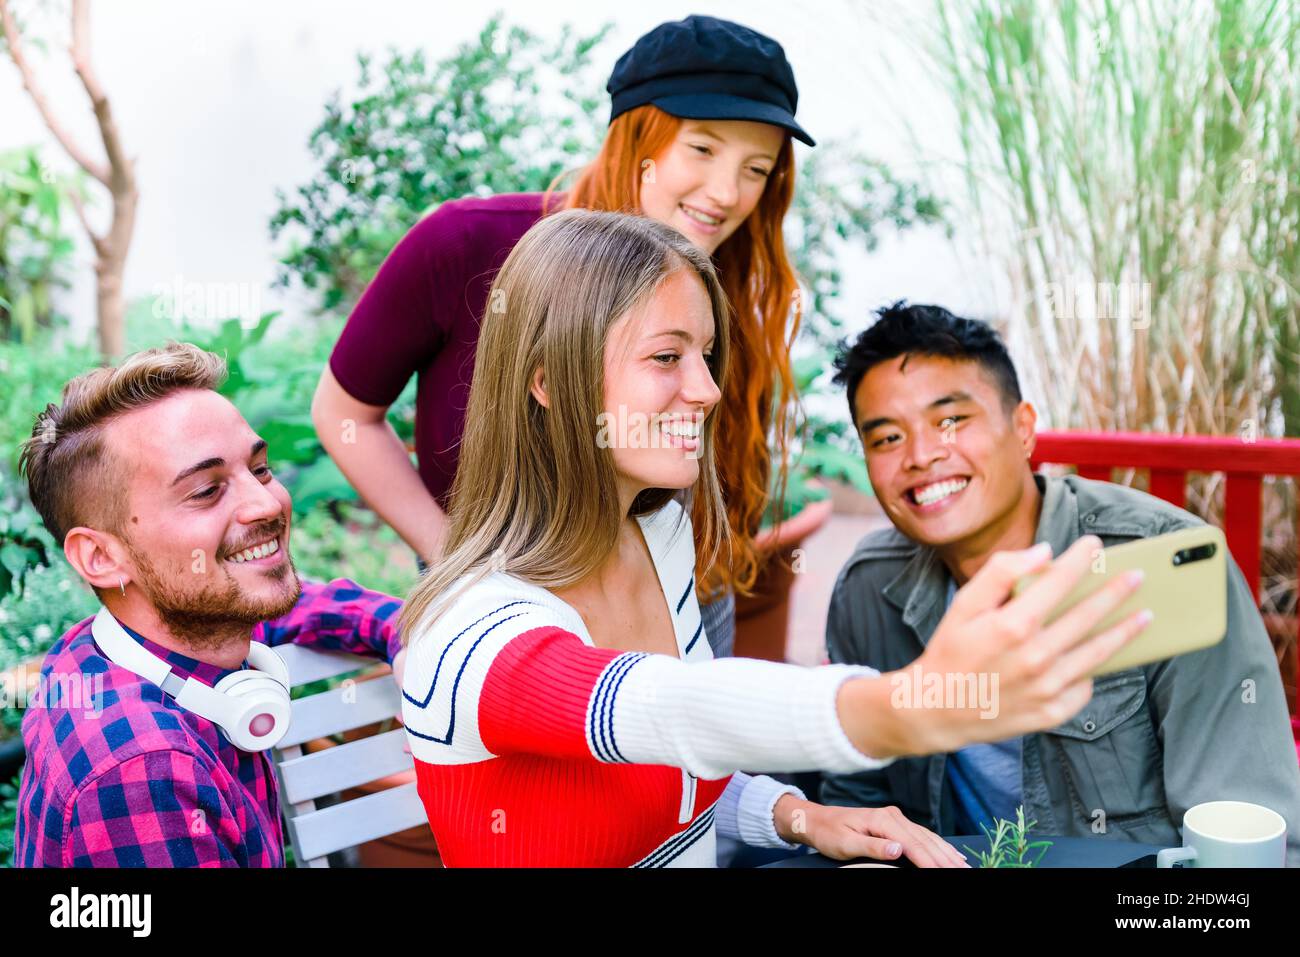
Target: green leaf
[418,133]
[320,482]
[23,315]
[48,201]
[259,331]
[292,441]
[14,558]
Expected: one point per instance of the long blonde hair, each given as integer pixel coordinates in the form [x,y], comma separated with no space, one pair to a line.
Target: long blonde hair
[535,494]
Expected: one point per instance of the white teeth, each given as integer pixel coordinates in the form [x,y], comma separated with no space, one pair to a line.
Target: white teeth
[700,217]
[940,490]
[257,551]
[684,430]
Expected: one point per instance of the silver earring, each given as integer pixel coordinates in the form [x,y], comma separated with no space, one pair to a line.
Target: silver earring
[122,585]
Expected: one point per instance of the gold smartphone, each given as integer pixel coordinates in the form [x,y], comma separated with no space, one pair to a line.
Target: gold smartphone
[1186,588]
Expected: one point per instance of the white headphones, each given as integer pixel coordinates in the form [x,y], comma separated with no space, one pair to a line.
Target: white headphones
[250,706]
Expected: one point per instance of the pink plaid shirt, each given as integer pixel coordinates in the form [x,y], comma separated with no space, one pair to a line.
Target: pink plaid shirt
[118,775]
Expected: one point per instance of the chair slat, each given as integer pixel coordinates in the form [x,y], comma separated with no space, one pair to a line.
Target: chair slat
[342,709]
[317,832]
[310,664]
[355,822]
[345,766]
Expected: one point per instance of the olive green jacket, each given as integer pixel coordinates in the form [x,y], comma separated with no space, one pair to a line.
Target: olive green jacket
[1153,741]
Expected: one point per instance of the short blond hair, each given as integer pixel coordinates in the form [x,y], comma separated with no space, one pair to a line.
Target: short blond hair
[65,461]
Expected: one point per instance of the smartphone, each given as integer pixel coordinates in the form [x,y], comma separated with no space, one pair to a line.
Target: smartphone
[1185,586]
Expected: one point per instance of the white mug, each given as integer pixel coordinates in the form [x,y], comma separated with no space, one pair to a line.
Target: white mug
[1229,834]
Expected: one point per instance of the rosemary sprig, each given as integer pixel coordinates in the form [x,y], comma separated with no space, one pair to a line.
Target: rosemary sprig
[1009,844]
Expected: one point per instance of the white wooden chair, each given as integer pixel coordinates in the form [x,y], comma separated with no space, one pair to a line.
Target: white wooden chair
[306,778]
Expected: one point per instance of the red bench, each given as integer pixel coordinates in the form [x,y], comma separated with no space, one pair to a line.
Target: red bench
[1168,459]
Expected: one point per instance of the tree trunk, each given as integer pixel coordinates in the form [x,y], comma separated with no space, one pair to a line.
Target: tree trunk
[111,264]
[117,175]
[111,310]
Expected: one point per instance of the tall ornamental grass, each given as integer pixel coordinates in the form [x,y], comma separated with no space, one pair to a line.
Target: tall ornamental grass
[1137,164]
[1135,168]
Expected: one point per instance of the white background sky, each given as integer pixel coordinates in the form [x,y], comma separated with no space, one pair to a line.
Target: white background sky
[217,99]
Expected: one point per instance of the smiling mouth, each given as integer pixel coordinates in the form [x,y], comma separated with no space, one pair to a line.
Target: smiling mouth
[266,553]
[934,494]
[704,219]
[681,432]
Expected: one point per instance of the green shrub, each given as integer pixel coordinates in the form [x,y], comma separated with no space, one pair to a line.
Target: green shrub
[35,253]
[415,134]
[54,599]
[342,541]
[31,376]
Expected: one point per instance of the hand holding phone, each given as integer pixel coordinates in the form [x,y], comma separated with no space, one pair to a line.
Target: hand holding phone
[1042,671]
[1184,586]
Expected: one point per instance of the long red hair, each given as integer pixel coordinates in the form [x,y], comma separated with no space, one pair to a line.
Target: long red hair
[758,397]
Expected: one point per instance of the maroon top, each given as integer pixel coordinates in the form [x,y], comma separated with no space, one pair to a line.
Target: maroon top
[420,316]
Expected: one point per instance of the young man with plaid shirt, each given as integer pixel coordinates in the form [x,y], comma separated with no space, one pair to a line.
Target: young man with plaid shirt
[161,495]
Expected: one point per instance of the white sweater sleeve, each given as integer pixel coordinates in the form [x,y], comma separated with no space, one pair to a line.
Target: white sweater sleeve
[714,717]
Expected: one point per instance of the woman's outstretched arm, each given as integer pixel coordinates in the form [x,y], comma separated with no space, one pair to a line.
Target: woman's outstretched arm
[504,675]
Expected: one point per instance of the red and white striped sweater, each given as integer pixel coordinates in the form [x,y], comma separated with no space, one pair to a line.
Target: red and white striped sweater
[533,747]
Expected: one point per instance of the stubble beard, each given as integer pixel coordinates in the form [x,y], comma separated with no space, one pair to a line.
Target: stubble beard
[221,610]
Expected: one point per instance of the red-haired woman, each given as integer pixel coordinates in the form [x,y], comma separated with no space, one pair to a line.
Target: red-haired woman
[702,118]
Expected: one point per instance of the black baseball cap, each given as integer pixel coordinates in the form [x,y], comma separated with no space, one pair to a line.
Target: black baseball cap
[703,68]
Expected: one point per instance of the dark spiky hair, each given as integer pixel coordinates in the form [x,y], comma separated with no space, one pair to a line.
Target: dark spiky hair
[903,330]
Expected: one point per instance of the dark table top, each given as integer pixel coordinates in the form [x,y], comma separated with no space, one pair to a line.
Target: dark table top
[1064,852]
